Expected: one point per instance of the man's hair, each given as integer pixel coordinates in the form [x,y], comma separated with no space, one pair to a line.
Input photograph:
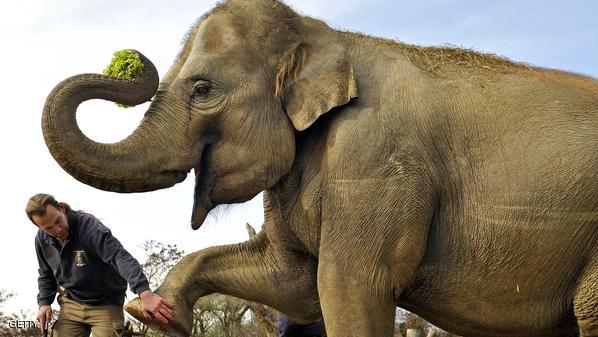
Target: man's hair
[37,205]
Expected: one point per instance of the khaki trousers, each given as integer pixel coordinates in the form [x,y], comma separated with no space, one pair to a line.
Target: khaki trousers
[79,320]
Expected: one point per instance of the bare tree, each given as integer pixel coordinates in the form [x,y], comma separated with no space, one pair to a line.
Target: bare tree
[220,315]
[160,258]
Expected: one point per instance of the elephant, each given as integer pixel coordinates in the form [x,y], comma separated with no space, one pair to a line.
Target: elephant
[455,184]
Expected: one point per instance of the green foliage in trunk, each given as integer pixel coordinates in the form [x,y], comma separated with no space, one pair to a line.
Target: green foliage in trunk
[126,65]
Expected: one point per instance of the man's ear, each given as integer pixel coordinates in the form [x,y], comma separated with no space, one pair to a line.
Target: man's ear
[312,79]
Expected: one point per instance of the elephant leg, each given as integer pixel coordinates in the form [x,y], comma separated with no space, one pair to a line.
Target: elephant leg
[352,309]
[585,302]
[370,249]
[252,270]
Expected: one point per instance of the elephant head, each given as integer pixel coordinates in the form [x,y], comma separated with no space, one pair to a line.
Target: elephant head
[249,78]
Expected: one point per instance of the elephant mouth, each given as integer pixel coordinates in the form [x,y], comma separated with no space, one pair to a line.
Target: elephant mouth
[201,203]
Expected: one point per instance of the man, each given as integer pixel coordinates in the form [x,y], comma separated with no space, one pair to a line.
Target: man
[80,259]
[288,328]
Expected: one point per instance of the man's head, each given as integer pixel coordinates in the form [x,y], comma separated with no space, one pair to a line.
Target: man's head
[49,215]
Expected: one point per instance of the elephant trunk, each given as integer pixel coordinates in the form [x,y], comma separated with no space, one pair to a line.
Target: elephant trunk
[135,164]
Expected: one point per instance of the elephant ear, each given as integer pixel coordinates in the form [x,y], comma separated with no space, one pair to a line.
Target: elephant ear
[312,80]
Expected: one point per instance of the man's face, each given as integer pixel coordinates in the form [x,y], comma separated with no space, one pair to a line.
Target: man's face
[54,222]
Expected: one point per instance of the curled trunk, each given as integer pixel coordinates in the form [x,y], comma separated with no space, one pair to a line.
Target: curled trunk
[137,163]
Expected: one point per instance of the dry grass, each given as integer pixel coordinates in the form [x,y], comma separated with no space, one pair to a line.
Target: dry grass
[440,61]
[434,60]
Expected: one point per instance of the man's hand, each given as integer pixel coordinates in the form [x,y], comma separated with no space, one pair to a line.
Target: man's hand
[155,306]
[44,316]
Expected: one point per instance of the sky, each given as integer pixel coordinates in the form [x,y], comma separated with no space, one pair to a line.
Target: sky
[47,41]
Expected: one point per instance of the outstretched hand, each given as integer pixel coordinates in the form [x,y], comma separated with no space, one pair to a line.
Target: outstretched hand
[154,306]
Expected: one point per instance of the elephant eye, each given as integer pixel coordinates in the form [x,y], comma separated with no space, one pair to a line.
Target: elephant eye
[206,95]
[202,89]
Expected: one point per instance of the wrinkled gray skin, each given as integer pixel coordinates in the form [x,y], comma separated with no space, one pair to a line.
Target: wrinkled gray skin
[456,185]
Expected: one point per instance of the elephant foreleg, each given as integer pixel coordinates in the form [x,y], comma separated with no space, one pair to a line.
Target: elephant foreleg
[352,309]
[252,270]
[367,257]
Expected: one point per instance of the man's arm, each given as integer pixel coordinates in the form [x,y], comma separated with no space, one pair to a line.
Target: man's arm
[111,251]
[46,282]
[47,287]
